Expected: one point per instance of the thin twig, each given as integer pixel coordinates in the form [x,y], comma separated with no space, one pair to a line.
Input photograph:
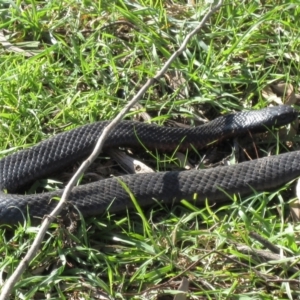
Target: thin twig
[171,280]
[9,284]
[280,280]
[267,256]
[265,242]
[259,274]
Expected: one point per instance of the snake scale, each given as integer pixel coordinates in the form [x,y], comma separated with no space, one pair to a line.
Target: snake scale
[55,154]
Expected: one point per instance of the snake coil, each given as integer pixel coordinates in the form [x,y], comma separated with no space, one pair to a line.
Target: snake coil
[55,154]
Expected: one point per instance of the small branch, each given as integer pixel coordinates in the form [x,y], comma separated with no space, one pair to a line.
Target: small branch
[259,274]
[294,281]
[265,242]
[9,284]
[171,280]
[267,256]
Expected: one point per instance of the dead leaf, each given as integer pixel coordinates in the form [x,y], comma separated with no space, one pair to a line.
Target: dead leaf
[295,206]
[176,81]
[292,56]
[285,91]
[183,161]
[184,287]
[141,113]
[280,93]
[10,47]
[128,163]
[269,95]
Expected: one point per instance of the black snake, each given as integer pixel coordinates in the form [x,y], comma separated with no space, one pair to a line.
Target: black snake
[53,155]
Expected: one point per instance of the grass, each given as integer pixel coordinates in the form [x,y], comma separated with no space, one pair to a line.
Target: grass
[82,61]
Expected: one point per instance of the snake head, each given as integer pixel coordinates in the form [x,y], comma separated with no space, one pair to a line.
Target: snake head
[277,116]
[281,115]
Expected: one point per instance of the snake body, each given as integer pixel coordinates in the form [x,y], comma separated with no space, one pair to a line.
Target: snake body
[55,154]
